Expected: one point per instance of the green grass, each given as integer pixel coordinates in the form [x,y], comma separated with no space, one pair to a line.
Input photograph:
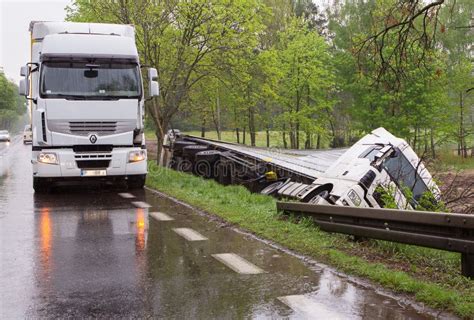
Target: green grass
[431,276]
[230,136]
[451,160]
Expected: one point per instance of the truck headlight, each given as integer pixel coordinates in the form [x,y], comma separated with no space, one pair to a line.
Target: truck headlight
[136,156]
[354,197]
[48,158]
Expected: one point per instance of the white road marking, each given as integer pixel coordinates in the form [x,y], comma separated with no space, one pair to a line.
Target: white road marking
[237,263]
[126,195]
[309,308]
[141,204]
[189,234]
[161,216]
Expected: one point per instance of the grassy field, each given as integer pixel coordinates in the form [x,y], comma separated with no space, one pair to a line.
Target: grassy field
[229,136]
[452,161]
[260,138]
[430,276]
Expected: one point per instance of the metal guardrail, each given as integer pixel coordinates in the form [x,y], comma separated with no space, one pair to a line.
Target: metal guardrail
[446,231]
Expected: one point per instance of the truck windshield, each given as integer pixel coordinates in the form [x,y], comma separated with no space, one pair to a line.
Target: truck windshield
[84,80]
[405,175]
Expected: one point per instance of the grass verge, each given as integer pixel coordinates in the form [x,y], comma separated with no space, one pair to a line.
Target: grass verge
[430,276]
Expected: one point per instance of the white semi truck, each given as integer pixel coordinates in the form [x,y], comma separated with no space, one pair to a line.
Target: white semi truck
[87,104]
[377,164]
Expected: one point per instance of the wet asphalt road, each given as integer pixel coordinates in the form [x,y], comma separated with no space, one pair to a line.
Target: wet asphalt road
[93,254]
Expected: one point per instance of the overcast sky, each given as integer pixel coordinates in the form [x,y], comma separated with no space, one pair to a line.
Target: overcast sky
[15,17]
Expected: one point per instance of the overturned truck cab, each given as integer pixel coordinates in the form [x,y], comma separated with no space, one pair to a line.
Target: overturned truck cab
[380,170]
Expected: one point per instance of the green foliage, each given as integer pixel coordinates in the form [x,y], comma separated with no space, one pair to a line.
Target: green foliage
[428,202]
[386,196]
[11,104]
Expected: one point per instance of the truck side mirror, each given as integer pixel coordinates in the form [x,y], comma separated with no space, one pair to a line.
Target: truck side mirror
[23,87]
[24,71]
[153,86]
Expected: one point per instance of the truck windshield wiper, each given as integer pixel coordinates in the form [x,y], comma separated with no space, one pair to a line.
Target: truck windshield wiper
[68,96]
[105,98]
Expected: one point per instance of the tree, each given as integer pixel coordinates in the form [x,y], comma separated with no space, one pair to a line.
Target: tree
[407,106]
[11,104]
[457,41]
[306,82]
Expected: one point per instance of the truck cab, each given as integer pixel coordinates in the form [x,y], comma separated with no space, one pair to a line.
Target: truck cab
[87,103]
[378,163]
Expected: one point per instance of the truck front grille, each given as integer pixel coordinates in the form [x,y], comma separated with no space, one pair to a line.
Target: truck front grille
[84,128]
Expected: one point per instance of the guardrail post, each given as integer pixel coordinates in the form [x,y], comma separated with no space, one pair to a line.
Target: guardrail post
[467,265]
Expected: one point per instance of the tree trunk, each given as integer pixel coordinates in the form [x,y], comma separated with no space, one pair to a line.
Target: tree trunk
[268,138]
[203,129]
[285,143]
[318,142]
[252,126]
[218,107]
[292,139]
[159,147]
[243,136]
[307,143]
[426,141]
[462,138]
[432,143]
[237,133]
[415,140]
[297,134]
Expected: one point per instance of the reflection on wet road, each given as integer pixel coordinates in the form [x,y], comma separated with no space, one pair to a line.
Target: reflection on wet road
[95,254]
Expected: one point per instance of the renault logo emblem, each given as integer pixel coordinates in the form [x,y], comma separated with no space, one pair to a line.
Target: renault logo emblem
[93,138]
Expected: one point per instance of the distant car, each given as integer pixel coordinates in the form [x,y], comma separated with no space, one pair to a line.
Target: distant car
[4,135]
[27,135]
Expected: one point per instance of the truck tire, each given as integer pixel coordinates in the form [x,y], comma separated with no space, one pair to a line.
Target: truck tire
[322,191]
[40,185]
[189,152]
[136,182]
[179,145]
[273,188]
[205,165]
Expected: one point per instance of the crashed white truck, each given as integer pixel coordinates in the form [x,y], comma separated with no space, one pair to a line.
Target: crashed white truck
[378,164]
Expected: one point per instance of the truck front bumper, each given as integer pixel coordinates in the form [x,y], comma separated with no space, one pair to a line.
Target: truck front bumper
[68,163]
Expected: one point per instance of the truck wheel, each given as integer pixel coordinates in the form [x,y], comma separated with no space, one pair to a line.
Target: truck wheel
[274,187]
[136,182]
[205,165]
[189,152]
[40,185]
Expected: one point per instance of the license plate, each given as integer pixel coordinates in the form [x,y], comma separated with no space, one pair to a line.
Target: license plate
[93,173]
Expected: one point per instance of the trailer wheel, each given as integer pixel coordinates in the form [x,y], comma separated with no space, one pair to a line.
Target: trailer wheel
[40,185]
[136,182]
[179,145]
[206,161]
[274,187]
[189,152]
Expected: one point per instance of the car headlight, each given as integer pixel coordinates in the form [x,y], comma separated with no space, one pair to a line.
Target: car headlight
[48,158]
[136,156]
[354,197]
